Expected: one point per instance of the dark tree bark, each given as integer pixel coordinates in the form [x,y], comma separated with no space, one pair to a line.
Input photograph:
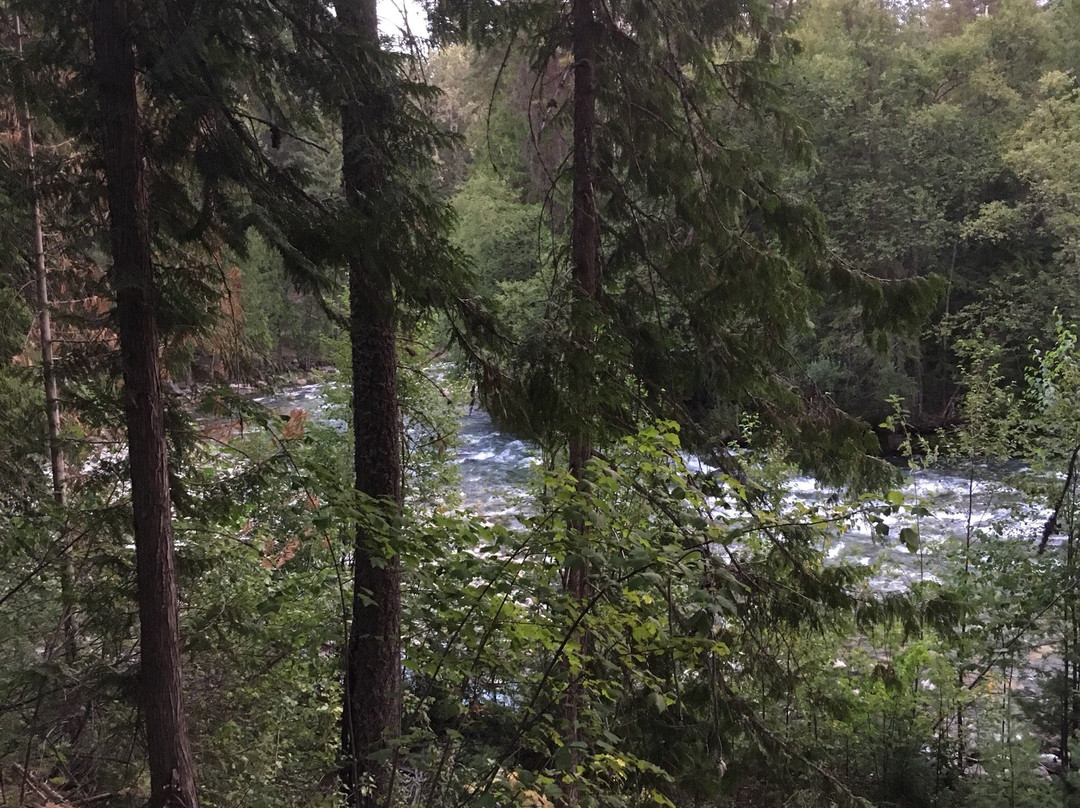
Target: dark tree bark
[372,712]
[172,777]
[585,224]
[585,268]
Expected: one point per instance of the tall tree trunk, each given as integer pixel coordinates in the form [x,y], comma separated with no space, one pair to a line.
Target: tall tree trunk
[52,397]
[372,709]
[585,261]
[585,225]
[48,373]
[172,776]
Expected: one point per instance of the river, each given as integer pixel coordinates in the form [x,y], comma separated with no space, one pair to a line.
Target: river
[496,468]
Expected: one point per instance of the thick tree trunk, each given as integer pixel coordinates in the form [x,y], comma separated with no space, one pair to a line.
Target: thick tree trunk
[585,267]
[372,715]
[172,778]
[372,708]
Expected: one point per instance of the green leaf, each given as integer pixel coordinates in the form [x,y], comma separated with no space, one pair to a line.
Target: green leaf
[909,537]
[657,701]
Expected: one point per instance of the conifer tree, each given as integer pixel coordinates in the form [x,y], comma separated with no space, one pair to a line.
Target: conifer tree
[586,290]
[57,460]
[689,266]
[399,257]
[172,773]
[372,715]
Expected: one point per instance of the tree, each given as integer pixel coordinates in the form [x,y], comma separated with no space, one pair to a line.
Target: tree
[48,369]
[908,117]
[372,711]
[1046,154]
[172,772]
[586,289]
[686,269]
[400,259]
[57,461]
[708,260]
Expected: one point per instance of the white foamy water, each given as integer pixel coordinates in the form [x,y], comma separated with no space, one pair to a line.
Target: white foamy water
[496,468]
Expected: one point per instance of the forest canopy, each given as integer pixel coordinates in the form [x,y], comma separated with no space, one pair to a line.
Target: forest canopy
[586,405]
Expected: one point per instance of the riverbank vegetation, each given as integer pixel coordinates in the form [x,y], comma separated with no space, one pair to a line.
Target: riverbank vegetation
[690,251]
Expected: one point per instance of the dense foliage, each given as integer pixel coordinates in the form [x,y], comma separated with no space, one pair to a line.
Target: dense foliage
[817,220]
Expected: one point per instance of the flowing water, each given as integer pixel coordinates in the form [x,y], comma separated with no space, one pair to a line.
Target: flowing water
[496,468]
[959,506]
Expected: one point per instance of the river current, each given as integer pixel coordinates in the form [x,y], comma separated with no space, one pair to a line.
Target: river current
[496,468]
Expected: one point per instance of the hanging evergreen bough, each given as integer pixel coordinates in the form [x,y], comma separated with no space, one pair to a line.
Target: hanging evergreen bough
[707,264]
